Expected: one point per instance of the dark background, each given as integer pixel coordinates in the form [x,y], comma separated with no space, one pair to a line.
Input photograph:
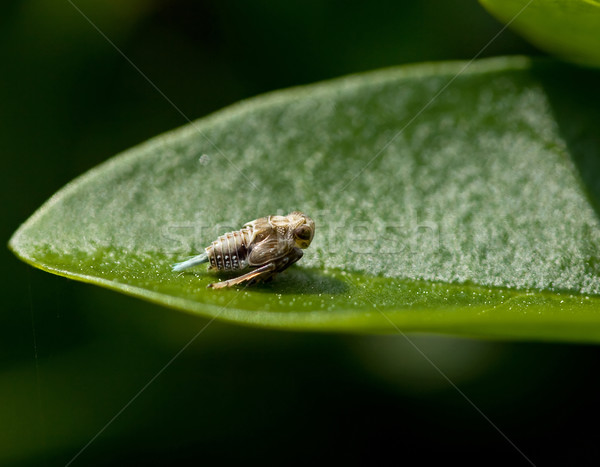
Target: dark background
[73,355]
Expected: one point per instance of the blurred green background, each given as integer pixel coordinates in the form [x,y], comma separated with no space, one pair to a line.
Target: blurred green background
[73,355]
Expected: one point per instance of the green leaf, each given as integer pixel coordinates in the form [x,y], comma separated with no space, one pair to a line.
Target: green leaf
[454,198]
[569,29]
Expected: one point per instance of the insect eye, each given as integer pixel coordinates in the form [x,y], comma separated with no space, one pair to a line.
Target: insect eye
[303,233]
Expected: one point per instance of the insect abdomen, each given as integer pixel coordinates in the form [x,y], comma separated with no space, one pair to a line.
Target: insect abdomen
[229,252]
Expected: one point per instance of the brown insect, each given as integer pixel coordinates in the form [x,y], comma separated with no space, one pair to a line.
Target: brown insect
[266,246]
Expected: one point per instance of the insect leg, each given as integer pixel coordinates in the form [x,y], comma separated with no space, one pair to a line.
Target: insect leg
[290,259]
[263,273]
[265,270]
[283,263]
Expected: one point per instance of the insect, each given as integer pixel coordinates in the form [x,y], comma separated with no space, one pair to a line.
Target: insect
[266,246]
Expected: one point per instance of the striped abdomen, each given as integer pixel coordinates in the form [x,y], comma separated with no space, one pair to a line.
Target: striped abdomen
[229,252]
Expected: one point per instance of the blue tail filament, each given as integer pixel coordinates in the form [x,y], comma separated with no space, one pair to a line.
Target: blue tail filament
[196,260]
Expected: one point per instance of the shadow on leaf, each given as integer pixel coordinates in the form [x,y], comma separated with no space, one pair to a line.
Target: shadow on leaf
[574,96]
[298,280]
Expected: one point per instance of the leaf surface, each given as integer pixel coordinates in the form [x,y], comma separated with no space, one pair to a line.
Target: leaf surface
[452,197]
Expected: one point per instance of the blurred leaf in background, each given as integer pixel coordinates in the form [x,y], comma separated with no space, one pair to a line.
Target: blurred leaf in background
[566,28]
[73,355]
